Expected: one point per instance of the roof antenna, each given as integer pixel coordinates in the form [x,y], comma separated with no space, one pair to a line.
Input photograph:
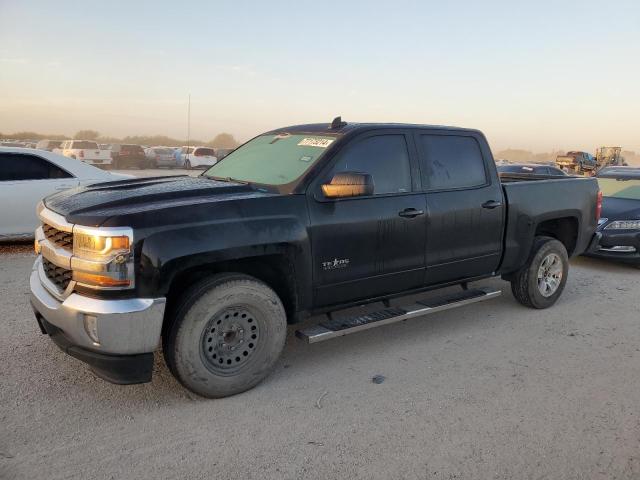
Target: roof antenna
[337,123]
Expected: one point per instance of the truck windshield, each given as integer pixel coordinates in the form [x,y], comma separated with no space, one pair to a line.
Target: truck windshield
[272,159]
[620,188]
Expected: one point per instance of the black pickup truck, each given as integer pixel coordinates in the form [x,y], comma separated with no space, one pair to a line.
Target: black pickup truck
[299,221]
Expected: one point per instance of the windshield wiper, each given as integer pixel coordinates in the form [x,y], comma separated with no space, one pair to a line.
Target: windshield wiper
[228,179]
[260,188]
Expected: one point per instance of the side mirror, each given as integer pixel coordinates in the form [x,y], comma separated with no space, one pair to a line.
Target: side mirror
[349,184]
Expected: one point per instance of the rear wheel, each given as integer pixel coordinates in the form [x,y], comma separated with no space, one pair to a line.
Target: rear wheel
[541,280]
[227,335]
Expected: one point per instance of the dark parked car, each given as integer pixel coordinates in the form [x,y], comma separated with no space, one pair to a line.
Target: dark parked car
[531,169]
[127,156]
[620,220]
[48,145]
[297,222]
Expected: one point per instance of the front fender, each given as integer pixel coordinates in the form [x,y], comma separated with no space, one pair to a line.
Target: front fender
[168,253]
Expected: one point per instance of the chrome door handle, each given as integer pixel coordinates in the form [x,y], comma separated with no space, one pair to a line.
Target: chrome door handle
[410,213]
[490,204]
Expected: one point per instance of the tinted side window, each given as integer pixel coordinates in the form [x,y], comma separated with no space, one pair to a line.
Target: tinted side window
[452,162]
[16,166]
[384,157]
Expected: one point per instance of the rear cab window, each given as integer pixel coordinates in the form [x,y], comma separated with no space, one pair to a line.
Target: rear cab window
[132,149]
[204,152]
[451,162]
[84,145]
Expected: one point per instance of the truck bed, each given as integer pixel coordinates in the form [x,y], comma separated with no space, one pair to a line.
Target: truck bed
[531,199]
[527,177]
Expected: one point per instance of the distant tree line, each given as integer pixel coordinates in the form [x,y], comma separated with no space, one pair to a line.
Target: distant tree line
[222,140]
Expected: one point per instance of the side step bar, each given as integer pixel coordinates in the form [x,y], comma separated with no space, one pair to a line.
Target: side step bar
[340,327]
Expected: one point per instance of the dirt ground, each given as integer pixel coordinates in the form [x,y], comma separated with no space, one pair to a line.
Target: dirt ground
[492,390]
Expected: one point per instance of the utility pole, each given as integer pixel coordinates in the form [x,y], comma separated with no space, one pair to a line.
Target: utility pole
[188,122]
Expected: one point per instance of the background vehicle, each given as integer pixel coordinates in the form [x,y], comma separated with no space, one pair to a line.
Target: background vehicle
[577,162]
[128,155]
[86,151]
[223,152]
[197,157]
[298,221]
[609,157]
[531,168]
[620,221]
[161,156]
[27,176]
[48,145]
[12,144]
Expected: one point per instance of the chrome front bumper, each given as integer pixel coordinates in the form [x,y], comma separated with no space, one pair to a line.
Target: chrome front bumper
[124,327]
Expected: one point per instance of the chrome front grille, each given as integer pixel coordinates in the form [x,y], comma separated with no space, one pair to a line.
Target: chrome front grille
[59,238]
[59,276]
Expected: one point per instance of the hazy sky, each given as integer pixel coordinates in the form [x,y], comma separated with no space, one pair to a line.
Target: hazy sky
[539,75]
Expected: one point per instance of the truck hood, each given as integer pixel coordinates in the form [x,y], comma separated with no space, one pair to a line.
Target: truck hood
[93,205]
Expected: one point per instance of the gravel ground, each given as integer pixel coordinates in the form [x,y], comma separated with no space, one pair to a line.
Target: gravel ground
[493,390]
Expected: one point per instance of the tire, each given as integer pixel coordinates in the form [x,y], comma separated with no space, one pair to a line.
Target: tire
[227,334]
[187,164]
[526,286]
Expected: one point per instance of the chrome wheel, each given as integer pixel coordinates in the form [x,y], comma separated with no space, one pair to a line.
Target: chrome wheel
[229,340]
[550,274]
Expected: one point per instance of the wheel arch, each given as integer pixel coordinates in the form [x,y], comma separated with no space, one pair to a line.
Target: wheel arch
[564,229]
[275,270]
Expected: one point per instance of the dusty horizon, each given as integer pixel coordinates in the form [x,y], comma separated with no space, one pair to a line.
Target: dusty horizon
[496,140]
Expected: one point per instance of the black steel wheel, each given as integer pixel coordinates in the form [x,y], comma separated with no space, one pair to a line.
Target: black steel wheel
[229,340]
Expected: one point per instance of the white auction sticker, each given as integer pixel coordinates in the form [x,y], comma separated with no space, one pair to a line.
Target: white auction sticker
[316,142]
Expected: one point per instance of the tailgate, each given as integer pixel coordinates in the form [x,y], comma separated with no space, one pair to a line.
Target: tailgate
[565,160]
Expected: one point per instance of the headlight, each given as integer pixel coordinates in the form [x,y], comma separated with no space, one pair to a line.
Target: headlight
[90,246]
[102,258]
[624,225]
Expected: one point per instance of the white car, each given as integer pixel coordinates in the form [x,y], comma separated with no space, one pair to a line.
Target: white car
[197,157]
[27,176]
[87,151]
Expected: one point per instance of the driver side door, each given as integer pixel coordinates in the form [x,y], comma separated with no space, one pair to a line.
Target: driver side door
[372,245]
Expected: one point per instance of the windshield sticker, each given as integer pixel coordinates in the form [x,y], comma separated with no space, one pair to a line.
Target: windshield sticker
[315,142]
[306,158]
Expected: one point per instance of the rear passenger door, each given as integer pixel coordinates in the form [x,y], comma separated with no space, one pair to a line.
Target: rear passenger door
[465,205]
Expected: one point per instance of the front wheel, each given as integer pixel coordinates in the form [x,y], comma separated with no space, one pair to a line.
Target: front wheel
[226,336]
[540,282]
